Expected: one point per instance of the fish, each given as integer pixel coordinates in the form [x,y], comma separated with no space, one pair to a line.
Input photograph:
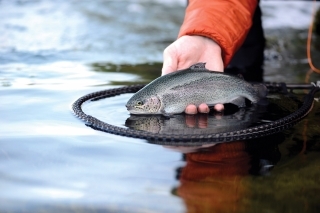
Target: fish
[171,93]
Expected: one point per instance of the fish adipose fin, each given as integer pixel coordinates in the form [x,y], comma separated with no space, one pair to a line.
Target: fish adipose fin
[198,66]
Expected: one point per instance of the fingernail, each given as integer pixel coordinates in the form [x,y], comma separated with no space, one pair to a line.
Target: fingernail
[190,111]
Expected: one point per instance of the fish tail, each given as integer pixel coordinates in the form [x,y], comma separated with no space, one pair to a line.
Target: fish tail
[261,90]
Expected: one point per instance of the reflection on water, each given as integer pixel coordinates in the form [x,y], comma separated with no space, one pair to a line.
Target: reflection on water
[146,72]
[214,179]
[193,124]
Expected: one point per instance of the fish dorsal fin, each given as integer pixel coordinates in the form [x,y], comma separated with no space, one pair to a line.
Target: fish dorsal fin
[198,66]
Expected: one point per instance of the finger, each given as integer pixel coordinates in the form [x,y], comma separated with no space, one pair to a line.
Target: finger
[203,108]
[218,115]
[191,109]
[190,121]
[219,107]
[203,121]
[215,65]
[213,61]
[170,60]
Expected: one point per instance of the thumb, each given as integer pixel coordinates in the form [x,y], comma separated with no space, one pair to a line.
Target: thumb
[170,61]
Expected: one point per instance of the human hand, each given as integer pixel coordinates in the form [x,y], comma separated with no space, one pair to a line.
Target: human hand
[189,50]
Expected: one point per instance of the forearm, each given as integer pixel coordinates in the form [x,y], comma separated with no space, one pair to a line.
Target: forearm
[226,22]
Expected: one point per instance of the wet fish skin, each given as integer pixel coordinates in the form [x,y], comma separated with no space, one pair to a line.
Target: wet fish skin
[171,93]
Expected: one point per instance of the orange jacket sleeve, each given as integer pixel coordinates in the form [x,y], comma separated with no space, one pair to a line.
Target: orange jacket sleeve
[227,22]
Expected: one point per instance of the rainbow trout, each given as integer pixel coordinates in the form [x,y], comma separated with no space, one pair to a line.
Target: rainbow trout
[171,93]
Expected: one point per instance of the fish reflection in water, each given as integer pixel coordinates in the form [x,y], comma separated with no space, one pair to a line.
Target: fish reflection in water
[195,124]
[214,178]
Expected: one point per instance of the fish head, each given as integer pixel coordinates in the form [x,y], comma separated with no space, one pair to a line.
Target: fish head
[144,105]
[148,123]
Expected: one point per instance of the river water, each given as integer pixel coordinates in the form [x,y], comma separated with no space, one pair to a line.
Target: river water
[53,52]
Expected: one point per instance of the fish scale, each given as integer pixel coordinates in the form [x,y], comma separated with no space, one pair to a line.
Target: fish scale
[195,85]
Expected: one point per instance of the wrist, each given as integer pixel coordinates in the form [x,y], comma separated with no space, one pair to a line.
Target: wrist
[212,54]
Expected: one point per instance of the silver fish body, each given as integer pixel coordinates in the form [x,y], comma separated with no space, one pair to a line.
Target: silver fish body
[171,93]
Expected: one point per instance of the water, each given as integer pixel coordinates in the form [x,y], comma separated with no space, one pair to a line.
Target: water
[53,52]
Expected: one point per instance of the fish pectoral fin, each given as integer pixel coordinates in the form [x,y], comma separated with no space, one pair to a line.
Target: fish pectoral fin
[168,115]
[165,114]
[239,101]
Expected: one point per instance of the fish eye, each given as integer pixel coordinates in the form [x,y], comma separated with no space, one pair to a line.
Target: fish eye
[139,103]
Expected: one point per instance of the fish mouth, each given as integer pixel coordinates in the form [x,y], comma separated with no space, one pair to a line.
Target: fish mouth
[132,110]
